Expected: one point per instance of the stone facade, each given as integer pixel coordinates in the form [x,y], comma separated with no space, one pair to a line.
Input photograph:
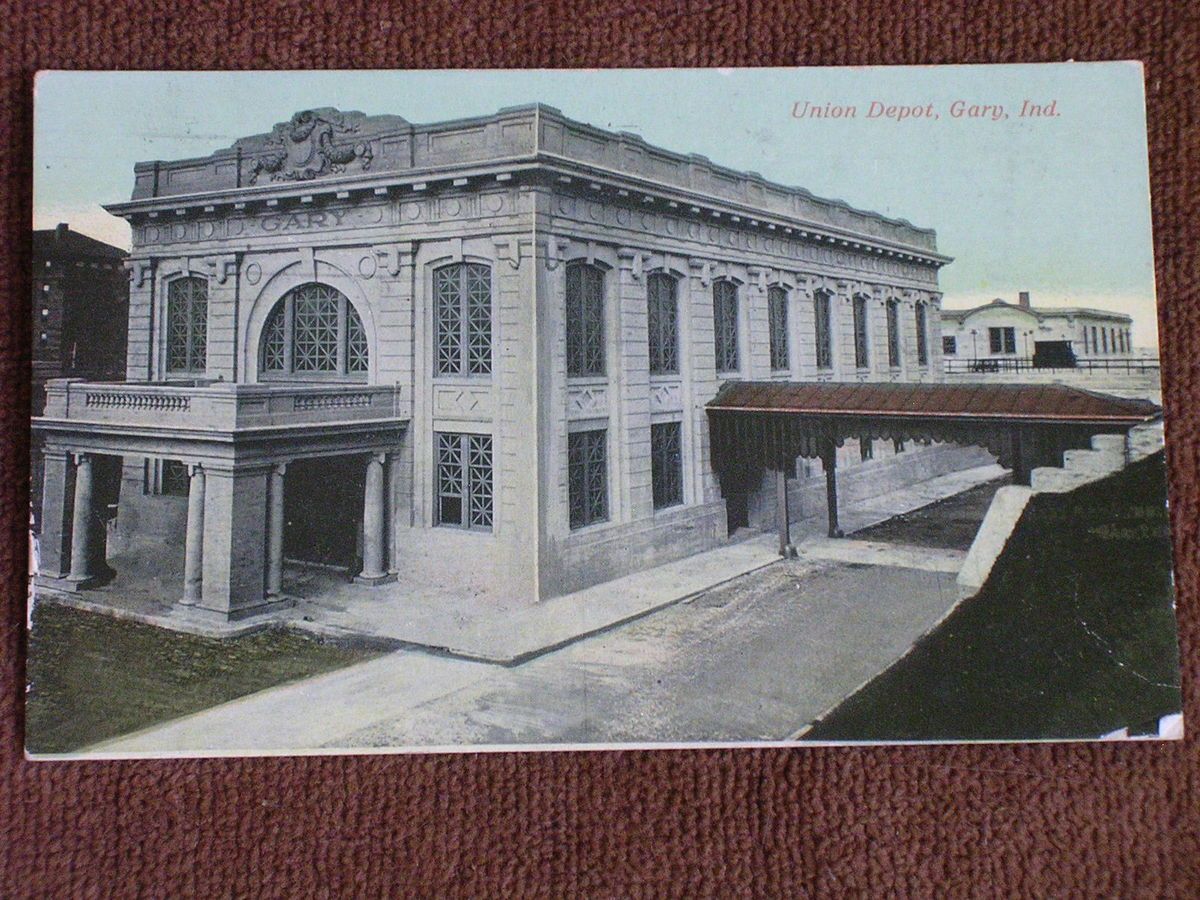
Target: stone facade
[383,216]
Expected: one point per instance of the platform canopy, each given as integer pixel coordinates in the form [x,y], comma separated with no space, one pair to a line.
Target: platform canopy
[757,425]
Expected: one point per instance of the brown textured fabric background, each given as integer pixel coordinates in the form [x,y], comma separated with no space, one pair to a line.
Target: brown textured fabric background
[970,820]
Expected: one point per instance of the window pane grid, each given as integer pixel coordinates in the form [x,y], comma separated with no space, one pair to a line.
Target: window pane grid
[187,325]
[725,326]
[893,333]
[464,480]
[585,320]
[479,479]
[587,477]
[666,464]
[448,321]
[824,334]
[479,318]
[356,344]
[462,299]
[777,312]
[314,330]
[922,337]
[861,359]
[663,325]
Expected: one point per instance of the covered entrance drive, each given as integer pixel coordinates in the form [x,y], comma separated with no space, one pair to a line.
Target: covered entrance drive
[236,447]
[757,426]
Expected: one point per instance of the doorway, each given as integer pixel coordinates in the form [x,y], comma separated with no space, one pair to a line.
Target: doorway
[322,510]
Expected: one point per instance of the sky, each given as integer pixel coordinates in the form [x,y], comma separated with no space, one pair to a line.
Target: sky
[1055,205]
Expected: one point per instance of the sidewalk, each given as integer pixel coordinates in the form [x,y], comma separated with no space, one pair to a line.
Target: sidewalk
[509,636]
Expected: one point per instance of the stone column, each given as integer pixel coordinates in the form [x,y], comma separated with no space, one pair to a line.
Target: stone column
[374,570]
[275,532]
[57,490]
[235,541]
[81,524]
[193,553]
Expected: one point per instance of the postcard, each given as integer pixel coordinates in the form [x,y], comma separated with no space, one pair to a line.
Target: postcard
[490,410]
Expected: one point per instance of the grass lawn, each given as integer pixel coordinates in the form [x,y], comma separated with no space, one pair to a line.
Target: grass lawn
[1072,636]
[92,677]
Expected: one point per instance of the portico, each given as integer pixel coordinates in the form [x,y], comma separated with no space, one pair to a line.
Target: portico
[236,443]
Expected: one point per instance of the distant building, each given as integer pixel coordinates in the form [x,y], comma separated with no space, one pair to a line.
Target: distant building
[80,319]
[1049,336]
[80,309]
[1021,343]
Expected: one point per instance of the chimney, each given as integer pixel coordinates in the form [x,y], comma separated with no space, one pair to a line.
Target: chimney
[1023,299]
[60,231]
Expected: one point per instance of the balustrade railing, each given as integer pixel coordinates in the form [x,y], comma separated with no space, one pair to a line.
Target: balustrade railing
[222,407]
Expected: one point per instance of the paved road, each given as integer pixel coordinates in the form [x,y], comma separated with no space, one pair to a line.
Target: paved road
[756,659]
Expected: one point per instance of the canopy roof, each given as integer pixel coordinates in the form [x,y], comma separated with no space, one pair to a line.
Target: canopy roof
[1008,403]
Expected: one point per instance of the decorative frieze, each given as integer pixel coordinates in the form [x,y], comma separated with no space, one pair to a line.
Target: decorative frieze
[666,397]
[792,251]
[587,402]
[462,402]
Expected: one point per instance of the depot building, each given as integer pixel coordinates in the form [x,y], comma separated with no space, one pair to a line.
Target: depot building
[473,354]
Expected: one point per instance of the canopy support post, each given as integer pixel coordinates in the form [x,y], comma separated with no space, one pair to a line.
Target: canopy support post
[829,463]
[781,514]
[1020,466]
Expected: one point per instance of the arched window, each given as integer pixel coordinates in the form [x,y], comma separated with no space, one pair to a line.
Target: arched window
[662,319]
[824,331]
[777,314]
[462,313]
[315,332]
[187,324]
[585,320]
[725,326]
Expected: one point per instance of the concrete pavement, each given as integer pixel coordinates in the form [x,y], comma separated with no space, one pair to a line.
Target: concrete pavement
[756,659]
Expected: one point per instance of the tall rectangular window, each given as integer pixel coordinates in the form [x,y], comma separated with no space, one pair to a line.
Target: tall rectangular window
[725,325]
[666,464]
[662,319]
[777,312]
[922,336]
[1002,340]
[1095,340]
[187,324]
[824,332]
[585,320]
[462,304]
[893,334]
[861,349]
[587,476]
[464,480]
[949,346]
[176,478]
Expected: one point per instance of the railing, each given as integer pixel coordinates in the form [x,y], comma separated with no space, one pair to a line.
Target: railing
[222,407]
[986,365]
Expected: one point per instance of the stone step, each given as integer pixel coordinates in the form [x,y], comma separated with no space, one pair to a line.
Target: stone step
[1114,443]
[1049,479]
[1098,461]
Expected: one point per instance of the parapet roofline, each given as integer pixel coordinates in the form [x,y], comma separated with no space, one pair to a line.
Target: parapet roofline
[413,184]
[347,133]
